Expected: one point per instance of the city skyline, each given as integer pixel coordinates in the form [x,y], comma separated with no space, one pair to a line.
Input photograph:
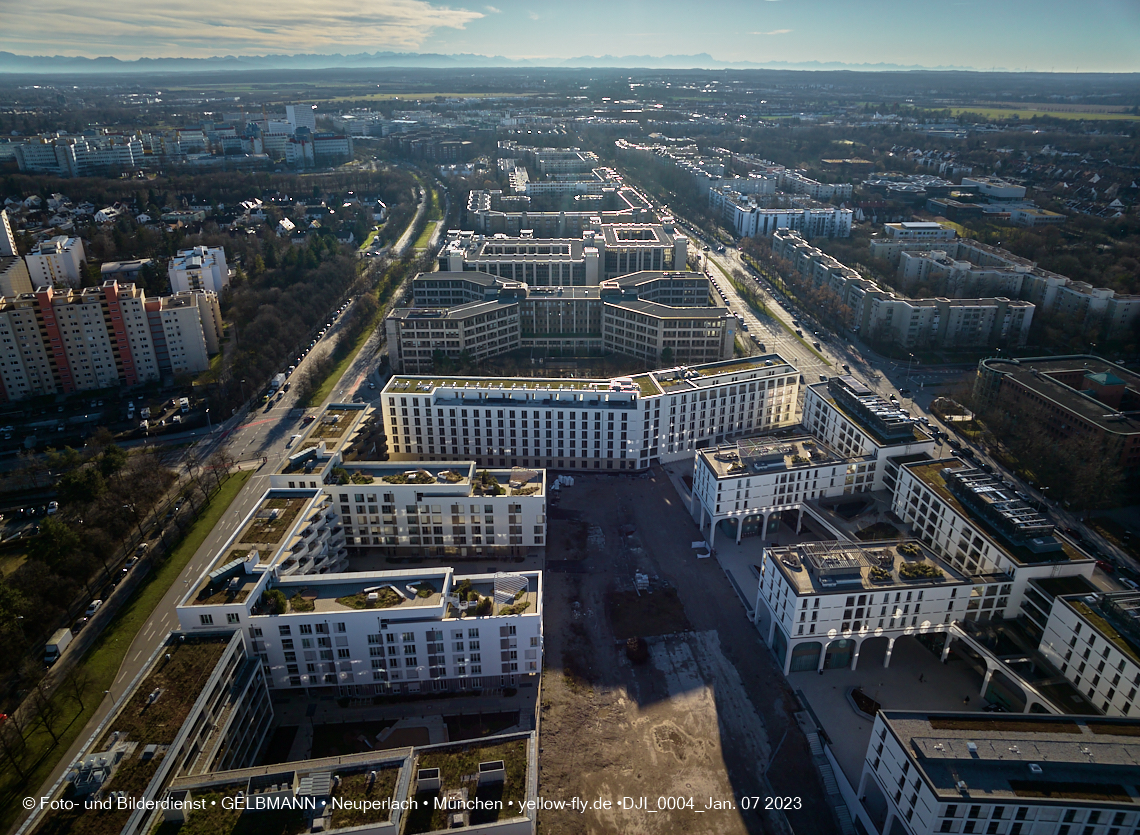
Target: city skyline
[1051,36]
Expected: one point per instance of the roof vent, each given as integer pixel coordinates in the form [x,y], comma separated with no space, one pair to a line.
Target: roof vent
[972,747]
[1035,768]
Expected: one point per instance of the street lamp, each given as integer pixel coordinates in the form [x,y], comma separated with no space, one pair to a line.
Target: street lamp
[243,391]
[135,513]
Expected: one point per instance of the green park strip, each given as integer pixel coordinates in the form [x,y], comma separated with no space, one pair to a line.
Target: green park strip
[791,331]
[368,241]
[344,360]
[425,236]
[76,700]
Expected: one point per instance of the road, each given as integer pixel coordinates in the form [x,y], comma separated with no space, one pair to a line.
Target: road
[260,433]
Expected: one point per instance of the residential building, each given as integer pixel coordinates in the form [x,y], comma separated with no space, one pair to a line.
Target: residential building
[604,251]
[824,600]
[975,772]
[955,268]
[1094,640]
[645,314]
[14,277]
[884,316]
[1036,217]
[748,218]
[746,488]
[847,416]
[995,189]
[200,268]
[1074,397]
[621,422]
[977,524]
[73,340]
[56,262]
[794,182]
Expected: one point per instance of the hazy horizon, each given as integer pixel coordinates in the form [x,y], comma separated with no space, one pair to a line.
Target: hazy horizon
[1050,35]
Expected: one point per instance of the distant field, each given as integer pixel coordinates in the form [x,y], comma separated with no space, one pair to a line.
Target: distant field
[1004,113]
[421,94]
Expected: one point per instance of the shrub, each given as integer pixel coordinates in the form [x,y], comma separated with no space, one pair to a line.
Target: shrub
[910,549]
[916,570]
[275,601]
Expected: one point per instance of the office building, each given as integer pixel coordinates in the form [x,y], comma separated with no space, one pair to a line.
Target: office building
[200,268]
[493,213]
[1074,397]
[56,262]
[301,116]
[919,231]
[975,772]
[604,251]
[536,422]
[58,342]
[658,316]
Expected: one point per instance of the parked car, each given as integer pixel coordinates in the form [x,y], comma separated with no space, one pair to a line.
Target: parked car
[129,564]
[93,608]
[1106,566]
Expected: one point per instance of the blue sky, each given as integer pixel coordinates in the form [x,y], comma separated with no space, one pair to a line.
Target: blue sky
[1063,35]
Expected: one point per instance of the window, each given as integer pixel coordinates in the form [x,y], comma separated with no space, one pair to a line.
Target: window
[207,620]
[232,617]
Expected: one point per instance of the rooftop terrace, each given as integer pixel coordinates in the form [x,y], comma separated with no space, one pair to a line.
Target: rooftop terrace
[830,567]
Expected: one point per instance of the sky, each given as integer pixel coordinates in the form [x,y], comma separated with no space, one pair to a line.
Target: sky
[1041,35]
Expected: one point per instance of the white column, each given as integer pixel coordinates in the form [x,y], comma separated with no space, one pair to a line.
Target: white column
[822,655]
[890,649]
[739,528]
[946,649]
[855,654]
[986,680]
[800,520]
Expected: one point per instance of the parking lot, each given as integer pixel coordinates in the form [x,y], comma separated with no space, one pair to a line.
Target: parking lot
[695,719]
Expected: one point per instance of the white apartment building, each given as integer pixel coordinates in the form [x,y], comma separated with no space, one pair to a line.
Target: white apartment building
[744,489]
[1094,640]
[847,416]
[56,262]
[622,424]
[977,524]
[749,219]
[200,268]
[822,601]
[796,183]
[14,277]
[283,580]
[191,323]
[919,231]
[972,772]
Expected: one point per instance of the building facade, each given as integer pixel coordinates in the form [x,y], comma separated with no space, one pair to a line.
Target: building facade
[56,262]
[200,268]
[58,342]
[622,424]
[658,316]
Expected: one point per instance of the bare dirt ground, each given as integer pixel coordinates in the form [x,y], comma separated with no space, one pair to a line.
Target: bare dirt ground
[699,719]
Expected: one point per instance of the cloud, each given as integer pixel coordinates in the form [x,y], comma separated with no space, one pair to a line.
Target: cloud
[493,10]
[534,15]
[773,32]
[197,28]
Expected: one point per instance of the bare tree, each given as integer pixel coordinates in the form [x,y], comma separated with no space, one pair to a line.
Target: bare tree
[77,681]
[12,744]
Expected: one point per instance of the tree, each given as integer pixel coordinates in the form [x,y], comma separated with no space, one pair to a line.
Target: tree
[12,743]
[81,486]
[77,681]
[54,543]
[113,459]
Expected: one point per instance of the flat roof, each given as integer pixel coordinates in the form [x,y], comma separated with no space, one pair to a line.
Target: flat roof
[765,454]
[1115,615]
[1024,756]
[835,567]
[930,474]
[1039,375]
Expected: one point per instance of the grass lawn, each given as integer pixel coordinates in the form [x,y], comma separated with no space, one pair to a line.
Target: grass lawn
[456,767]
[368,241]
[102,661]
[422,241]
[326,388]
[1003,113]
[791,332]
